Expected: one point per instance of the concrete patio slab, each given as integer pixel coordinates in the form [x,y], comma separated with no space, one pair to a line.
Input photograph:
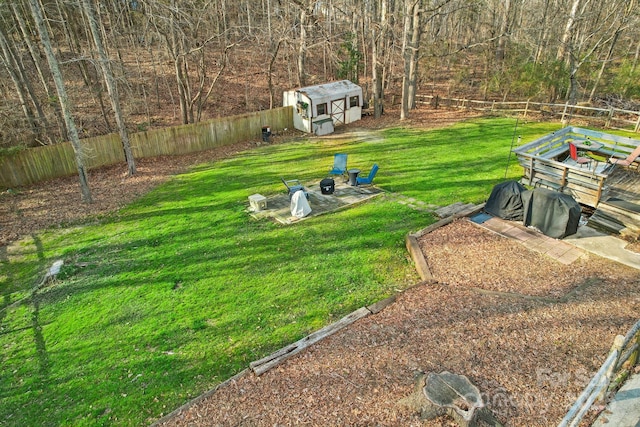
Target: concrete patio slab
[604,245]
[624,409]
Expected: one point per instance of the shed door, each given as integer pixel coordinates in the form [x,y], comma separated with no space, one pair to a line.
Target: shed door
[337,111]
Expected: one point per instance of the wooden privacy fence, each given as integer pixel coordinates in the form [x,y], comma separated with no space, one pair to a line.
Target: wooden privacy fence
[612,118]
[41,163]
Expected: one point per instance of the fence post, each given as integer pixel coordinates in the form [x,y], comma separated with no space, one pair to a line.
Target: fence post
[618,342]
[633,357]
[526,108]
[637,124]
[564,112]
[609,118]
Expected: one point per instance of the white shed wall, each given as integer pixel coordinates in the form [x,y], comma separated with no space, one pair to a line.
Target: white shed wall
[334,99]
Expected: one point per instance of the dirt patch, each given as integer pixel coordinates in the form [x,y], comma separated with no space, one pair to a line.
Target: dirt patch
[633,246]
[529,357]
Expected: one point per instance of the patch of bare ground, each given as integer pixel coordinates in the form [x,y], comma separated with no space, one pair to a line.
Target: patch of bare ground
[530,357]
[633,246]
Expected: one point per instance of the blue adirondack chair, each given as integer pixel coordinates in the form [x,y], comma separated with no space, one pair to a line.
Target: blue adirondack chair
[339,165]
[368,180]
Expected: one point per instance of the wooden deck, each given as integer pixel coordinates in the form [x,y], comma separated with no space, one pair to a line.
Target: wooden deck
[619,209]
[613,191]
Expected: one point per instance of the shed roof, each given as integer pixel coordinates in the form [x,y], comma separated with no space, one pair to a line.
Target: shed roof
[328,91]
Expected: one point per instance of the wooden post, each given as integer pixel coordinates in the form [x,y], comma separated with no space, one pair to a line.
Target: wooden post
[618,341]
[531,171]
[526,109]
[564,112]
[563,181]
[609,118]
[633,358]
[637,124]
[599,194]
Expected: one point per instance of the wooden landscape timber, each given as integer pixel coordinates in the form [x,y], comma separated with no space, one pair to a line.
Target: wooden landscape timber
[263,365]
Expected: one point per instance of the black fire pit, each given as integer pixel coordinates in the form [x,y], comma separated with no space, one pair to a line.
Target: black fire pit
[327,186]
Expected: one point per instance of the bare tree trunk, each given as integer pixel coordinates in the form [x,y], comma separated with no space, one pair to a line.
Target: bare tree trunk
[411,41]
[306,11]
[224,60]
[72,29]
[503,31]
[542,38]
[8,60]
[178,59]
[360,28]
[376,74]
[62,97]
[35,58]
[112,89]
[406,45]
[636,57]
[563,49]
[269,19]
[274,55]
[378,24]
[604,64]
[416,35]
[302,48]
[414,55]
[623,22]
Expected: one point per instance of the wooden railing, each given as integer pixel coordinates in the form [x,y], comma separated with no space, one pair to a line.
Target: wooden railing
[612,118]
[616,368]
[543,162]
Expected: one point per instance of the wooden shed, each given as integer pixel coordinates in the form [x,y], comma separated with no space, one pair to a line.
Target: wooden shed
[319,109]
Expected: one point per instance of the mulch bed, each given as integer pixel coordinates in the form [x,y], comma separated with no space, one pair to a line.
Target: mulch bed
[529,357]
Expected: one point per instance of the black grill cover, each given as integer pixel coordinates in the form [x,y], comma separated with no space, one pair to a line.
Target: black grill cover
[327,186]
[553,213]
[505,201]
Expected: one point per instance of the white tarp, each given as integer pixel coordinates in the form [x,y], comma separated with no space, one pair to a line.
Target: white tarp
[299,205]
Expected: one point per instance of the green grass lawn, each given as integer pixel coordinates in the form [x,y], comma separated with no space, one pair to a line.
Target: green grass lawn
[164,299]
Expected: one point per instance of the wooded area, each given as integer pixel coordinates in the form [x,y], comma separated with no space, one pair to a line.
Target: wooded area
[79,68]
